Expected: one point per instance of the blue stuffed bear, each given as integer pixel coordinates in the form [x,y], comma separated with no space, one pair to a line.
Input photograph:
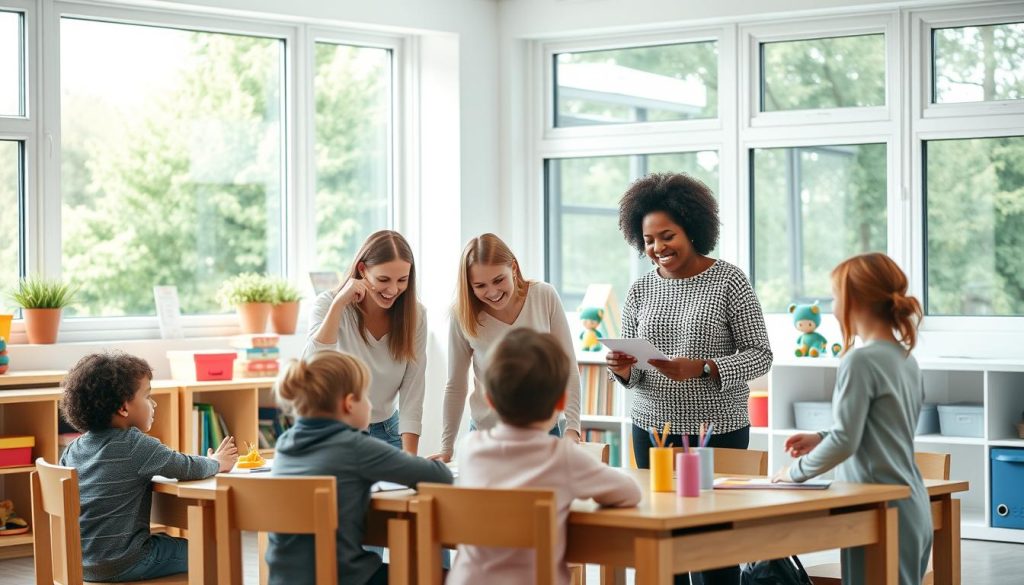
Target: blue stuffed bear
[807,318]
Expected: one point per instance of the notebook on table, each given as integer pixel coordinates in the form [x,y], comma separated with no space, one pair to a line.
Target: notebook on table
[762,483]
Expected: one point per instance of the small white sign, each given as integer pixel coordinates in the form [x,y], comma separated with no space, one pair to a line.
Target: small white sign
[168,311]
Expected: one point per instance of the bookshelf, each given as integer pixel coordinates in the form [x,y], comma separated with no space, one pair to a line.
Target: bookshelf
[236,400]
[604,412]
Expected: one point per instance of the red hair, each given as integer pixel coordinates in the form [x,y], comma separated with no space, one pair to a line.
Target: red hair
[874,283]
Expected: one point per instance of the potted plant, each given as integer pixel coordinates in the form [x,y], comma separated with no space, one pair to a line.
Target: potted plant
[41,301]
[284,315]
[251,294]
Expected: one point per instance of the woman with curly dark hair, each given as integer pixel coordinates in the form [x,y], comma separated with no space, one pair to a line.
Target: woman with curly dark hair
[107,398]
[700,311]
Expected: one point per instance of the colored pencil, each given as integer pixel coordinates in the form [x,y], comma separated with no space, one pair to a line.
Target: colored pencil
[686,443]
[707,437]
[700,438]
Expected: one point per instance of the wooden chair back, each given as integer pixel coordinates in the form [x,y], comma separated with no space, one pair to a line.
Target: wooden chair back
[448,515]
[736,461]
[292,505]
[599,451]
[57,541]
[932,465]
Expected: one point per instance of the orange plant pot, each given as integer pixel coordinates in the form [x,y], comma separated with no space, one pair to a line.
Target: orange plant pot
[42,325]
[253,317]
[284,318]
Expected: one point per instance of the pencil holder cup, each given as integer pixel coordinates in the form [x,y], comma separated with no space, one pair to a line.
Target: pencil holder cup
[661,469]
[687,475]
[707,467]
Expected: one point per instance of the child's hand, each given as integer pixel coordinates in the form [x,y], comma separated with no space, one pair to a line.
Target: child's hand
[226,454]
[782,476]
[443,457]
[802,443]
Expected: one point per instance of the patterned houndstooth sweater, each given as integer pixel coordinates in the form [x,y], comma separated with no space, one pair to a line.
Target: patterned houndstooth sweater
[713,315]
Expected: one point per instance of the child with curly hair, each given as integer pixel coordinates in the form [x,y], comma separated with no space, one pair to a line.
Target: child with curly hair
[107,397]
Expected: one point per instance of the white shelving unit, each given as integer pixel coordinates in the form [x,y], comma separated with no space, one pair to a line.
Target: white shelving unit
[618,421]
[997,385]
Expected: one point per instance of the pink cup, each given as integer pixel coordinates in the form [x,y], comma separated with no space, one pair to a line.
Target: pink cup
[688,475]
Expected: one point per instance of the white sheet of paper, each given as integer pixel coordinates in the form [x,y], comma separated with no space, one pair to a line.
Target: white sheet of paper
[168,311]
[641,349]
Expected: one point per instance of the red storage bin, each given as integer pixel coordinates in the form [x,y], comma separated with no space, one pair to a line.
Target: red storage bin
[16,451]
[758,405]
[202,366]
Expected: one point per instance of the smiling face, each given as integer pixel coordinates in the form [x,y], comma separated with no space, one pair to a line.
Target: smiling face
[665,242]
[493,284]
[387,281]
[140,410]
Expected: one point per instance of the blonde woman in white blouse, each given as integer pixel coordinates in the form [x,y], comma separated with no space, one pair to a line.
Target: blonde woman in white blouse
[492,298]
[374,315]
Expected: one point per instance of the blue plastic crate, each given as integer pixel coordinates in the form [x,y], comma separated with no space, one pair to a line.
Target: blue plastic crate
[1007,495]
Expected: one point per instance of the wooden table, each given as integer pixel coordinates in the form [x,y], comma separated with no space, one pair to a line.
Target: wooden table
[667,535]
[663,536]
[190,505]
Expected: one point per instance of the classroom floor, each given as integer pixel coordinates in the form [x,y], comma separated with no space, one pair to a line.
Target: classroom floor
[984,563]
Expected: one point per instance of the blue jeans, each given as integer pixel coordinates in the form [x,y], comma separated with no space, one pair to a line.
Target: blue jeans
[167,556]
[387,431]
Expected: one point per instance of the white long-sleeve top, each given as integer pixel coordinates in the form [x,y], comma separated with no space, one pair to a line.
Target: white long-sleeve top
[513,457]
[543,312]
[391,380]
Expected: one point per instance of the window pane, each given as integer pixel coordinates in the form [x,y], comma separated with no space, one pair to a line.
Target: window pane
[586,246]
[975,226]
[172,162]
[978,63]
[353,124]
[814,207]
[838,72]
[10,224]
[11,76]
[645,84]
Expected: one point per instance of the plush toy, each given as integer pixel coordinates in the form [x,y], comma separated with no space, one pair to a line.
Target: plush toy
[807,318]
[591,319]
[10,523]
[4,360]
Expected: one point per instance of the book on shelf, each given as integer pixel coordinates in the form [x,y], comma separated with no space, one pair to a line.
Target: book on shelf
[209,428]
[598,392]
[272,422]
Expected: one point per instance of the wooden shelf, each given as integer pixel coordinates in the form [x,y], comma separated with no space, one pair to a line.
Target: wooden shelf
[18,469]
[31,378]
[944,440]
[16,539]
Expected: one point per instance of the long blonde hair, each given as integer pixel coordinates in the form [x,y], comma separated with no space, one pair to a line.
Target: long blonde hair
[486,249]
[875,283]
[314,386]
[381,247]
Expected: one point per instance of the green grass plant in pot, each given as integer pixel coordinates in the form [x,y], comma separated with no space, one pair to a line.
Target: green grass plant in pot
[284,315]
[251,295]
[42,301]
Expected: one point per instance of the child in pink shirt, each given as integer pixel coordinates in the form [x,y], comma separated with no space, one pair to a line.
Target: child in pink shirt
[525,384]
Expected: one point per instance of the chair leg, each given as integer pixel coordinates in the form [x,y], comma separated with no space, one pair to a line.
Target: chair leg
[577,574]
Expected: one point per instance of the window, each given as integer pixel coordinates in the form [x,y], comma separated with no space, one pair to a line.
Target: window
[12,75]
[584,243]
[837,72]
[10,216]
[974,226]
[172,162]
[643,84]
[813,206]
[353,128]
[978,63]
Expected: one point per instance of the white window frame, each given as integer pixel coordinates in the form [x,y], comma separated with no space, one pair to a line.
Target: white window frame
[753,36]
[929,121]
[43,200]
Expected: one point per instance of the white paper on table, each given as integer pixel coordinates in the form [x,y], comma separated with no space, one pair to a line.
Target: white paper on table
[168,311]
[641,349]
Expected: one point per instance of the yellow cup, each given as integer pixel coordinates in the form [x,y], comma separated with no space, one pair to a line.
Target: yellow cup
[5,326]
[661,469]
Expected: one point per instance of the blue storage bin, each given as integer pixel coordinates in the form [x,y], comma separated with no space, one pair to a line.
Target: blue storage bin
[812,416]
[962,419]
[1007,495]
[928,422]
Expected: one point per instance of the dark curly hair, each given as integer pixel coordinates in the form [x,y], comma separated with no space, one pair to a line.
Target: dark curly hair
[98,385]
[688,201]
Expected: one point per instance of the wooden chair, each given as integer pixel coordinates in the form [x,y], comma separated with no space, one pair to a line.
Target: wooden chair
[302,505]
[448,515]
[931,466]
[57,540]
[736,461]
[599,451]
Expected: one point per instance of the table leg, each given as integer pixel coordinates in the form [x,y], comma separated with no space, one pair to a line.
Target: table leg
[654,561]
[202,545]
[399,550]
[946,546]
[882,557]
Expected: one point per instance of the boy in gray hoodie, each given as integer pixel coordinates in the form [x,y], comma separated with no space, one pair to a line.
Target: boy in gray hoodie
[328,394]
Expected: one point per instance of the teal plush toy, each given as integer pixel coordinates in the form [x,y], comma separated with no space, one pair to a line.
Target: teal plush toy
[591,319]
[807,318]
